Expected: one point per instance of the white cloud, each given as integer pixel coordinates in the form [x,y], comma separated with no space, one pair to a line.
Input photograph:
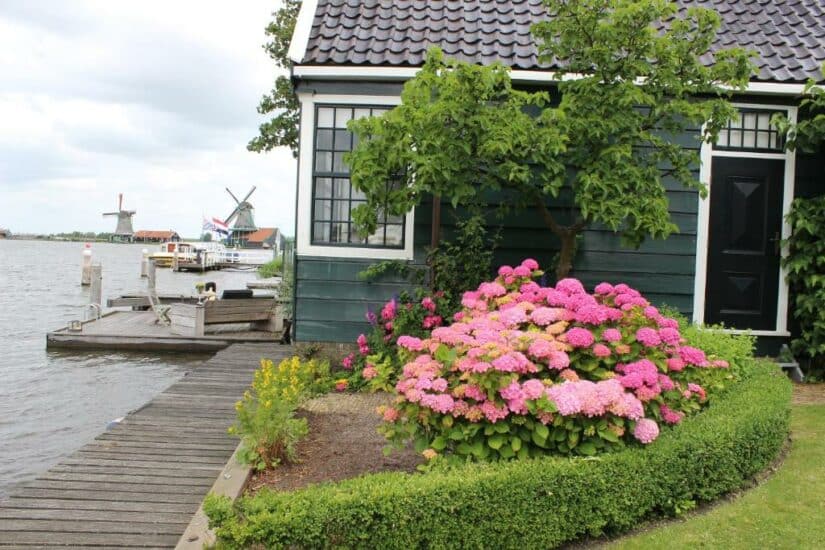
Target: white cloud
[152,99]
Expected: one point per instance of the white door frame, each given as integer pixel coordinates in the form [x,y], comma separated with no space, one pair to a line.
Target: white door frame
[707,154]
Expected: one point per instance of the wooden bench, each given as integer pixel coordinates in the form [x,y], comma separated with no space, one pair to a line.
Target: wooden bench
[192,319]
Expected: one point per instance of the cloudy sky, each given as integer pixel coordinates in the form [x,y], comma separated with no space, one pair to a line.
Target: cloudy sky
[152,99]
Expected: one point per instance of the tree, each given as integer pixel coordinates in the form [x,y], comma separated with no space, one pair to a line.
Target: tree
[636,84]
[206,237]
[282,128]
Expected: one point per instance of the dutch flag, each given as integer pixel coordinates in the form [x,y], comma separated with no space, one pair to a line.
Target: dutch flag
[220,227]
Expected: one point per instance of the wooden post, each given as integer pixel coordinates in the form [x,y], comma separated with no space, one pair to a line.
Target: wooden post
[86,266]
[150,275]
[144,264]
[96,288]
[175,260]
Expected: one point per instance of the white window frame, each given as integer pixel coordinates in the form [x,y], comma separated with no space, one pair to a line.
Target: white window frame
[303,243]
[707,154]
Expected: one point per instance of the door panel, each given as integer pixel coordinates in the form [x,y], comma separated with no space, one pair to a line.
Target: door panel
[743,249]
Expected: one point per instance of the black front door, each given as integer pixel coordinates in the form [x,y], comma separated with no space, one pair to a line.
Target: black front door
[743,249]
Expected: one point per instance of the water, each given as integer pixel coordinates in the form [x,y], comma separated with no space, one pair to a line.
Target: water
[52,403]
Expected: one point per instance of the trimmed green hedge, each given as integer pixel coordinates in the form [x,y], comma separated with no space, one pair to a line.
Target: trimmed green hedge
[529,504]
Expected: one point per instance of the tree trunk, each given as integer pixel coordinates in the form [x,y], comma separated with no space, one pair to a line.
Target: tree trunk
[567,236]
[568,250]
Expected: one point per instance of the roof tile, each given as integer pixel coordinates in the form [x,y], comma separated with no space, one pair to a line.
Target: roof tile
[787,35]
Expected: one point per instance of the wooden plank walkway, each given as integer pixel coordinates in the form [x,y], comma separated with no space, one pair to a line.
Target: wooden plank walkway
[140,483]
[138,331]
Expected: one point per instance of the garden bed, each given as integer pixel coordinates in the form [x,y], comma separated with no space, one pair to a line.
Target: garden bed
[532,503]
[342,443]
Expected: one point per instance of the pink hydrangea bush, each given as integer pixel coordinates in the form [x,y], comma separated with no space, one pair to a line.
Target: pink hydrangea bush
[377,365]
[525,370]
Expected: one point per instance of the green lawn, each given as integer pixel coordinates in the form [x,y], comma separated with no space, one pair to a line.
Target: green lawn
[787,511]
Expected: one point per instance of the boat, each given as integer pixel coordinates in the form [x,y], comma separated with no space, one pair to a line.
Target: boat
[197,255]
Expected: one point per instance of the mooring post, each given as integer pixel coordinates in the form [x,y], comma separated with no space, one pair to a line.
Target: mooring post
[96,289]
[144,264]
[150,275]
[175,260]
[86,266]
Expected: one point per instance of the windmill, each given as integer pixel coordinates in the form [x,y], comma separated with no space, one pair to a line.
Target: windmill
[124,231]
[243,217]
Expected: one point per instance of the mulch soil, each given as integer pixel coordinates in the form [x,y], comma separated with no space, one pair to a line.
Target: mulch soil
[809,394]
[343,442]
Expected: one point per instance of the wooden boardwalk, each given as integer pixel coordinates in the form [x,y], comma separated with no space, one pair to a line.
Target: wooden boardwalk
[140,483]
[138,331]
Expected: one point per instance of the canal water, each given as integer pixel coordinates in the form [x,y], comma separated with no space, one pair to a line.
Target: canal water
[52,403]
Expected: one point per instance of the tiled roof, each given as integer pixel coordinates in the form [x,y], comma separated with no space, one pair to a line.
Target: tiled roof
[149,234]
[788,36]
[261,234]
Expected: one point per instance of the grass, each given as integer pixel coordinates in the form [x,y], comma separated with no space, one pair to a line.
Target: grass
[271,269]
[786,511]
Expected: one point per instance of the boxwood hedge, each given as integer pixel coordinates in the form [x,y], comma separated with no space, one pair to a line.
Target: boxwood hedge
[528,504]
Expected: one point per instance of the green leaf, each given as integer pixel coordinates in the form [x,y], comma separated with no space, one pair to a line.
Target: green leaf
[495,441]
[587,448]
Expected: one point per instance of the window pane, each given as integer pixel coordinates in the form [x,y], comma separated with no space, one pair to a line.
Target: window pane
[395,235]
[763,140]
[338,164]
[395,219]
[343,140]
[342,116]
[341,188]
[340,210]
[323,162]
[323,139]
[749,139]
[723,139]
[320,232]
[361,113]
[735,138]
[326,117]
[340,233]
[358,195]
[323,210]
[377,238]
[323,188]
[749,120]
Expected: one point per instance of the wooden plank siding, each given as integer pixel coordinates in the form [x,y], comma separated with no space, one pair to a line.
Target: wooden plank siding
[139,483]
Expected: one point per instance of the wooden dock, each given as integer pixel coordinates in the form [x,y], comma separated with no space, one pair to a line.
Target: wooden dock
[140,483]
[137,330]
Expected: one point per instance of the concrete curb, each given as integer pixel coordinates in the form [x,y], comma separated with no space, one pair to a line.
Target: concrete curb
[230,483]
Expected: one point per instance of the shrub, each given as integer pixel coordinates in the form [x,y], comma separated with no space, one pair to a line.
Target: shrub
[806,276]
[527,370]
[377,364]
[266,420]
[540,503]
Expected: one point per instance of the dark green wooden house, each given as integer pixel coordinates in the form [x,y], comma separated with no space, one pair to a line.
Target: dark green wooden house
[351,60]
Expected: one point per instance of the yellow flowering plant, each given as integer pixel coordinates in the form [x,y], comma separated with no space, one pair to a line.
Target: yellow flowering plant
[266,420]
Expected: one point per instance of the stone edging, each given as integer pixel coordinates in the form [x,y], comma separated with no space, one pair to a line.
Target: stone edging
[230,482]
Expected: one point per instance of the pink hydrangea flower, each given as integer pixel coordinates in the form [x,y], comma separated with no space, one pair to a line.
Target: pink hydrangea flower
[600,350]
[558,360]
[521,271]
[390,414]
[544,316]
[611,335]
[675,364]
[648,337]
[530,264]
[505,270]
[428,304]
[410,343]
[646,430]
[369,372]
[603,288]
[570,286]
[362,340]
[491,290]
[693,356]
[347,361]
[533,388]
[579,337]
[670,336]
[669,415]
